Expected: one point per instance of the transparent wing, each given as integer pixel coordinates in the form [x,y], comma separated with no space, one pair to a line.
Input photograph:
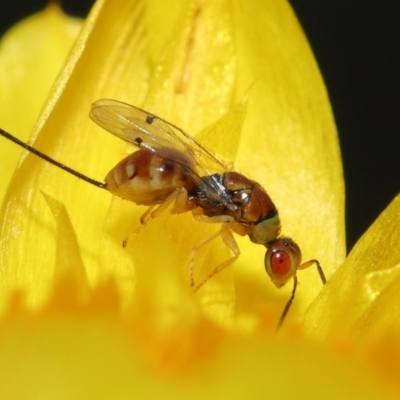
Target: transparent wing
[147,131]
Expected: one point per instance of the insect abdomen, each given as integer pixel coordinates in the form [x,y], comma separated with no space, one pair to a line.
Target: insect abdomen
[147,179]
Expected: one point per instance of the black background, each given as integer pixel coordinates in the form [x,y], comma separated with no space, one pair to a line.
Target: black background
[357,45]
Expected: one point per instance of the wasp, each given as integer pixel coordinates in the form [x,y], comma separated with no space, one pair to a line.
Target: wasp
[171,169]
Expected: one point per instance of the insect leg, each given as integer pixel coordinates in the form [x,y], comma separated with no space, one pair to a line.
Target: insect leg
[320,271]
[226,234]
[146,216]
[180,200]
[178,197]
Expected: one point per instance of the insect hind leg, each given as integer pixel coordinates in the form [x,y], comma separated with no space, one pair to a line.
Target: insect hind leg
[227,236]
[178,198]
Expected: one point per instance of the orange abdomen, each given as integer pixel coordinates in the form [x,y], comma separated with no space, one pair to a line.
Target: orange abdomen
[147,179]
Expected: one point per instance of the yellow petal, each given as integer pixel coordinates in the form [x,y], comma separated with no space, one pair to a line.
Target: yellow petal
[68,262]
[361,296]
[88,357]
[61,136]
[31,55]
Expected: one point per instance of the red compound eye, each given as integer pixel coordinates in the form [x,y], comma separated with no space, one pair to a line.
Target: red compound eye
[280,263]
[282,259]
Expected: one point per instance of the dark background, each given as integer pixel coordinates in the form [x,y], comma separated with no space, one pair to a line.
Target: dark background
[357,45]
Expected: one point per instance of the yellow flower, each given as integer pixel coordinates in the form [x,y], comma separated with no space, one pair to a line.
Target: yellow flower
[88,318]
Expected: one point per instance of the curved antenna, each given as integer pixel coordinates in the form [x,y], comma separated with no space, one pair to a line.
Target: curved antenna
[38,153]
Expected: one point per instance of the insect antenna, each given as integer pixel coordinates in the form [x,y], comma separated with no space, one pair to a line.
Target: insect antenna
[38,153]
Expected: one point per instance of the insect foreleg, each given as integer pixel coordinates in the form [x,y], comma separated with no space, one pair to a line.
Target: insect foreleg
[319,268]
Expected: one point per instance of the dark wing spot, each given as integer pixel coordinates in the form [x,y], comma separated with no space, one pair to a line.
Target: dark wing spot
[150,119]
[138,141]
